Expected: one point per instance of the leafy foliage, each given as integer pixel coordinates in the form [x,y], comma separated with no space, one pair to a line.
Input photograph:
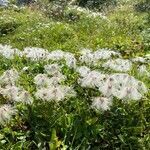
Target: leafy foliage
[99,4]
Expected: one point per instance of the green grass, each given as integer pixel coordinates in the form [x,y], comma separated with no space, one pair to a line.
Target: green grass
[28,27]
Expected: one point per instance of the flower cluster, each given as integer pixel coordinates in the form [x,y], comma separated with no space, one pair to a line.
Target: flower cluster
[49,86]
[87,12]
[145,59]
[60,55]
[12,93]
[142,69]
[122,65]
[55,93]
[89,57]
[101,103]
[118,85]
[8,52]
[37,54]
[9,77]
[6,113]
[9,89]
[91,79]
[34,53]
[123,86]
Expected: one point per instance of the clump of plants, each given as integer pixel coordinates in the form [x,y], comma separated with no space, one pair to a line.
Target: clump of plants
[54,99]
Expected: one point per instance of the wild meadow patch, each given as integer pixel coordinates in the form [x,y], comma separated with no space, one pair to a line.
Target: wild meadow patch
[74,77]
[56,82]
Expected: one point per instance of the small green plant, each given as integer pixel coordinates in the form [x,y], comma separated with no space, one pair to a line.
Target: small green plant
[8,27]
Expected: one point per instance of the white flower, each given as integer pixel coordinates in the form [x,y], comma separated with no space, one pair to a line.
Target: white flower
[8,52]
[101,103]
[60,55]
[57,93]
[56,55]
[92,79]
[139,59]
[49,94]
[35,53]
[93,58]
[70,60]
[6,113]
[24,97]
[106,87]
[126,87]
[9,77]
[41,80]
[118,84]
[119,93]
[58,78]
[141,87]
[142,70]
[133,93]
[10,92]
[118,65]
[83,71]
[86,56]
[104,54]
[25,68]
[85,11]
[53,93]
[69,91]
[128,93]
[43,94]
[52,69]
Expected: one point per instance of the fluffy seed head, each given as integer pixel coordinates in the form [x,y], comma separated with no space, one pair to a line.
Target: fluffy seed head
[101,103]
[6,113]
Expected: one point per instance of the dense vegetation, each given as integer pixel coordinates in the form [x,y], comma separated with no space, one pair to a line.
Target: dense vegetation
[75,49]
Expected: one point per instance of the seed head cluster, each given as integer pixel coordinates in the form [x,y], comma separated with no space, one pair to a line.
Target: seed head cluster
[51,84]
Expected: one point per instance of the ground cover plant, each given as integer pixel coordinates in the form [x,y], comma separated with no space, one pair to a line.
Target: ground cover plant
[74,79]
